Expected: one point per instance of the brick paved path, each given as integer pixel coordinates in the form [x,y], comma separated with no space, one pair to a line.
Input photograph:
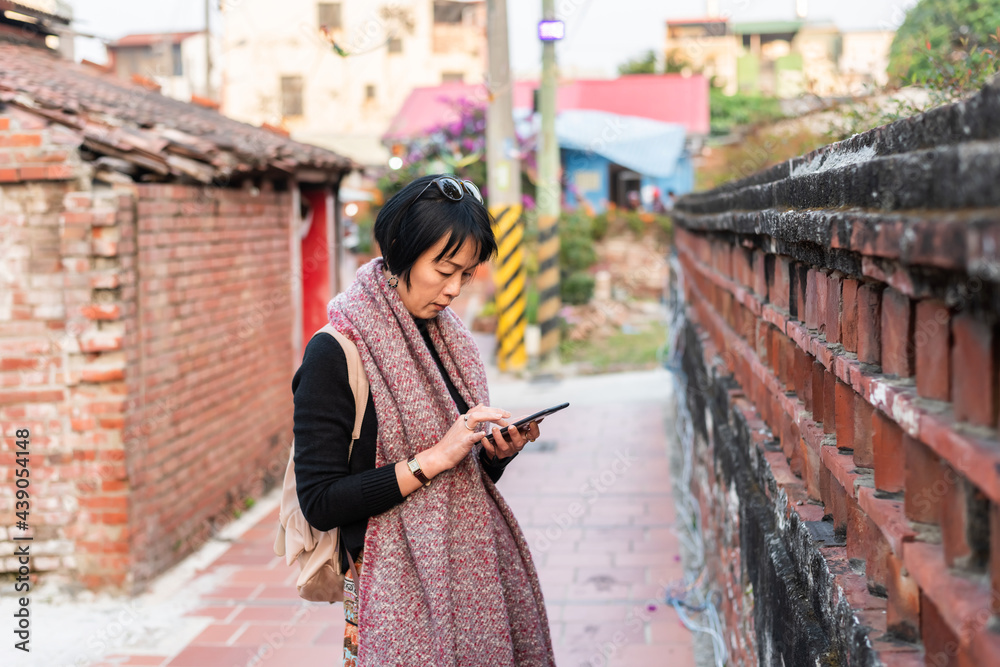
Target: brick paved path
[593,497]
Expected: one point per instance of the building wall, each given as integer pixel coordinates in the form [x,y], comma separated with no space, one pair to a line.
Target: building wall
[146,344]
[45,277]
[839,396]
[262,45]
[209,378]
[587,173]
[820,59]
[865,59]
[157,63]
[713,56]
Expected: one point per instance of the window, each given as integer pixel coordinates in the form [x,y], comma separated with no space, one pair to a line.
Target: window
[369,92]
[178,60]
[452,77]
[395,45]
[291,96]
[328,14]
[448,12]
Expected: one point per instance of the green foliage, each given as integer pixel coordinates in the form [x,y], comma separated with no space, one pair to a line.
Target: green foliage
[666,225]
[677,64]
[621,350]
[726,112]
[457,146]
[392,182]
[577,288]
[946,68]
[599,226]
[634,221]
[576,255]
[576,243]
[642,64]
[366,238]
[531,304]
[645,63]
[941,39]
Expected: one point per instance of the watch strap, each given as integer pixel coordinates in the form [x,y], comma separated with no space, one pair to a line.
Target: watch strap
[414,467]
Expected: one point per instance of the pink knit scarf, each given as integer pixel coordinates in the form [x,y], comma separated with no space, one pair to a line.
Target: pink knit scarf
[448,579]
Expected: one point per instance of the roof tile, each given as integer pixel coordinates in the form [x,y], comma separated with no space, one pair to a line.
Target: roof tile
[124,120]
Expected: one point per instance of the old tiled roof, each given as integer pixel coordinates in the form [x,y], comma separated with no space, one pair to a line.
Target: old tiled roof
[157,137]
[148,39]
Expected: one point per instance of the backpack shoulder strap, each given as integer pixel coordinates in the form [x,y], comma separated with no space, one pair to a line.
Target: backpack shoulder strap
[356,377]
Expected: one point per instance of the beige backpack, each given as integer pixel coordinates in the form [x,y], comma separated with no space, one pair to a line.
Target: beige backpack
[318,552]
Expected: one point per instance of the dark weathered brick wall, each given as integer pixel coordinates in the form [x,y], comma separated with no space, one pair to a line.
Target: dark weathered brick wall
[842,373]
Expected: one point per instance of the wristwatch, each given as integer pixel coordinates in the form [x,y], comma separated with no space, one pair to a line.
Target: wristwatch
[414,467]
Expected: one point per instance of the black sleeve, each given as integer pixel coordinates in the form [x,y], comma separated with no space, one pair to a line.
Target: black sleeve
[493,470]
[332,493]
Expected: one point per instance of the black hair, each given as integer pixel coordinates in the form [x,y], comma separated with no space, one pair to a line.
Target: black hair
[410,223]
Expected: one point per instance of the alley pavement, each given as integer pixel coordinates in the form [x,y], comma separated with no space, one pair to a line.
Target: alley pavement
[592,495]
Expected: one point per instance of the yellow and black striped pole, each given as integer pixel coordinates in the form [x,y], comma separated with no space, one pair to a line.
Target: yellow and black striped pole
[508,276]
[547,283]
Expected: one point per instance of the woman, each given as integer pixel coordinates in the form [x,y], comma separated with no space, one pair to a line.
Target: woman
[446,577]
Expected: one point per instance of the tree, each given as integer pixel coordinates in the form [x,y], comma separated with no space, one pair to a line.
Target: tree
[936,32]
[642,64]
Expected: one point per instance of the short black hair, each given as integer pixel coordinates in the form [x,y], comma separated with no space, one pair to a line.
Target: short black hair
[410,223]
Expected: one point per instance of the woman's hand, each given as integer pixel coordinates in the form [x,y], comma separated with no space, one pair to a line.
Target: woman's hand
[459,441]
[514,442]
[461,438]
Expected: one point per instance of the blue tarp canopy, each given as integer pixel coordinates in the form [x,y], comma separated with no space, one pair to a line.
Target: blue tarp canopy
[649,147]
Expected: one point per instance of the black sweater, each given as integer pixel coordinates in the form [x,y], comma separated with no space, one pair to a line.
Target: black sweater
[332,491]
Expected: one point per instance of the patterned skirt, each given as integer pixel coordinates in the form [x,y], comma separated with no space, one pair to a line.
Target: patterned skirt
[351,615]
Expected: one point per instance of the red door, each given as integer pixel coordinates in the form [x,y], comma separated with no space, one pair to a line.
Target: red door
[316,288]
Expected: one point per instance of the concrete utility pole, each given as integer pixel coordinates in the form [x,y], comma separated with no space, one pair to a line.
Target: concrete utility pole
[549,197]
[503,169]
[208,51]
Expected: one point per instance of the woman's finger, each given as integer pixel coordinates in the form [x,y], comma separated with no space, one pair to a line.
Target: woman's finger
[488,446]
[515,441]
[533,431]
[500,446]
[516,437]
[480,414]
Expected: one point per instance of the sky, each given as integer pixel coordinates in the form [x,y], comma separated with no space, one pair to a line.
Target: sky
[600,34]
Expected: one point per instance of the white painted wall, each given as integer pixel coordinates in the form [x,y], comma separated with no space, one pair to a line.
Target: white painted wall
[264,40]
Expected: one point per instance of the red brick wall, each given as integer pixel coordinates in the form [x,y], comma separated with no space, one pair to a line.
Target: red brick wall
[884,402]
[146,342]
[40,277]
[209,363]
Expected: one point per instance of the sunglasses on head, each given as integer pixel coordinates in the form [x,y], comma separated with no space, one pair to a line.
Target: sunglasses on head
[452,188]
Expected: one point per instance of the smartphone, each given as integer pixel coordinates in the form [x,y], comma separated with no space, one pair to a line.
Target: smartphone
[538,416]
